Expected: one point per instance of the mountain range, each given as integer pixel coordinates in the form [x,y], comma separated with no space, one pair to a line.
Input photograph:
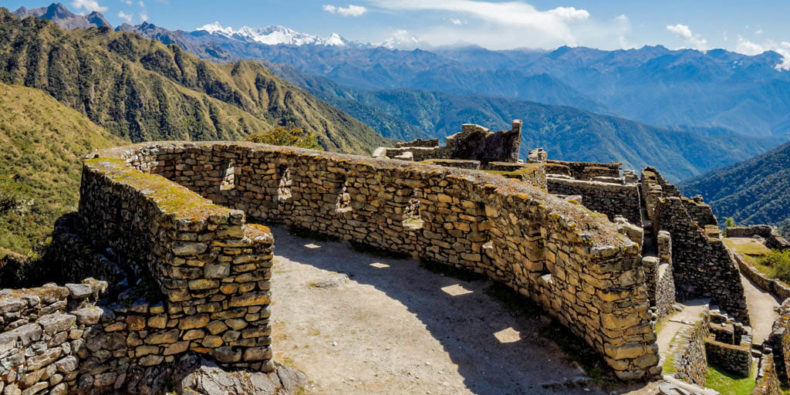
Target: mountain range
[710,108]
[142,90]
[567,133]
[756,191]
[684,88]
[59,14]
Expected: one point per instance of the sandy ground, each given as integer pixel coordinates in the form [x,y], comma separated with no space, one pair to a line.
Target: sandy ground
[394,327]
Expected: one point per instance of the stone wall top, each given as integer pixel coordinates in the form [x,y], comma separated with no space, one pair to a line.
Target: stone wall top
[596,229]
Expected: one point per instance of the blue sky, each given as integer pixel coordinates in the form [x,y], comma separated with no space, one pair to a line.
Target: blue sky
[747,27]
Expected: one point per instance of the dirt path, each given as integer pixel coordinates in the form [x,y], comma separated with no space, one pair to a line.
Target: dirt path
[690,314]
[394,327]
[762,311]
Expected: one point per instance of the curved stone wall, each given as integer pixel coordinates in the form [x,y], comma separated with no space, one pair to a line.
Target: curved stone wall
[567,258]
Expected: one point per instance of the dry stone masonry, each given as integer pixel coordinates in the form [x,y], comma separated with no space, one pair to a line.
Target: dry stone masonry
[166,224]
[213,268]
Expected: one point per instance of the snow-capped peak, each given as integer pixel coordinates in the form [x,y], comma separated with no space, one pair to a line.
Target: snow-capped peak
[401,39]
[272,35]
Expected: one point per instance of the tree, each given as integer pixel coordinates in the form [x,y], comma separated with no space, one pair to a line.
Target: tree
[281,135]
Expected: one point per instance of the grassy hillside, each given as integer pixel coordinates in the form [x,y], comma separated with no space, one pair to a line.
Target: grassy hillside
[567,133]
[42,142]
[756,191]
[142,90]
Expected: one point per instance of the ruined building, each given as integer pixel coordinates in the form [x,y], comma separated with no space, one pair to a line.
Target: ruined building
[170,226]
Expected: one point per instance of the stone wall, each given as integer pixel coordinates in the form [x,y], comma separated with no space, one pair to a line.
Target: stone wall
[211,269]
[583,170]
[771,235]
[608,198]
[653,186]
[665,290]
[573,262]
[767,381]
[61,340]
[473,142]
[700,212]
[43,334]
[735,359]
[702,264]
[688,351]
[779,343]
[771,285]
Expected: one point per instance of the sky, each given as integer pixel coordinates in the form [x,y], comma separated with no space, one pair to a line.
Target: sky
[748,27]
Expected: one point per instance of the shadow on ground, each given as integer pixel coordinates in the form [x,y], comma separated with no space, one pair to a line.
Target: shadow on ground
[496,349]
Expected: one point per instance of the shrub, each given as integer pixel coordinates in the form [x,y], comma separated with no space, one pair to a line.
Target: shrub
[780,264]
[294,137]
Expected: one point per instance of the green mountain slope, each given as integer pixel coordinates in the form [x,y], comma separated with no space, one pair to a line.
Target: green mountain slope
[143,90]
[42,141]
[567,133]
[756,191]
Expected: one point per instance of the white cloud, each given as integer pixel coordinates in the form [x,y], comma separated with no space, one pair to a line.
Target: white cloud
[126,17]
[456,21]
[351,10]
[143,16]
[684,32]
[511,24]
[127,2]
[88,5]
[752,48]
[402,39]
[570,13]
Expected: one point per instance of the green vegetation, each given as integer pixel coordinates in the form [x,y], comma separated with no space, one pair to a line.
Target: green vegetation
[779,262]
[772,263]
[142,90]
[728,384]
[756,191]
[42,142]
[752,251]
[293,136]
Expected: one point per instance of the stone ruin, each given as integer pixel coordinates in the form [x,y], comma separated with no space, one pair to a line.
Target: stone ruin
[171,226]
[472,147]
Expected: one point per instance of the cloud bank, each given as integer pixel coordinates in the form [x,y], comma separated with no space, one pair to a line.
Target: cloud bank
[507,25]
[351,10]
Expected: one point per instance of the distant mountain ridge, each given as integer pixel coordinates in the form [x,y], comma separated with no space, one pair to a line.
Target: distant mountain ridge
[142,90]
[58,13]
[653,84]
[755,191]
[272,35]
[565,132]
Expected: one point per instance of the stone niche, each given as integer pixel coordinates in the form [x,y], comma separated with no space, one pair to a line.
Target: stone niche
[171,210]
